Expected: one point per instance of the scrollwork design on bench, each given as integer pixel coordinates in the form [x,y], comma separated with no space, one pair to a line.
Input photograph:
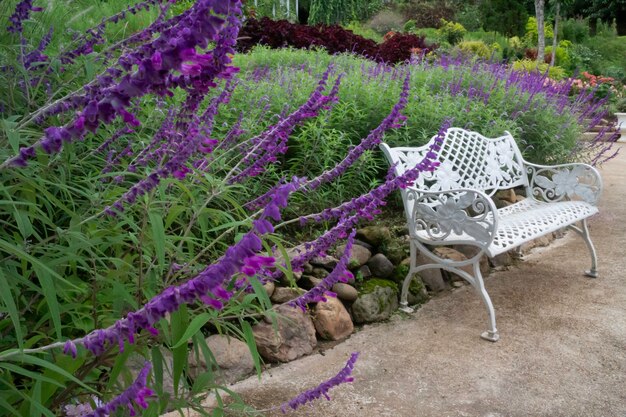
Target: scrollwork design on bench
[568,181]
[440,214]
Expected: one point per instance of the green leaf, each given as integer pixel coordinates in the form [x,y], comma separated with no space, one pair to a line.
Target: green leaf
[119,365]
[260,292]
[9,303]
[196,324]
[33,375]
[33,360]
[179,320]
[12,135]
[50,294]
[158,236]
[249,336]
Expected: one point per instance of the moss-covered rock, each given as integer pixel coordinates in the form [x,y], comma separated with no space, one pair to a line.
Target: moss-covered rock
[371,284]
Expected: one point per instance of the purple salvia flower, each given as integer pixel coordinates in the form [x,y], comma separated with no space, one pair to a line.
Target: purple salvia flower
[37,56]
[345,375]
[22,12]
[134,395]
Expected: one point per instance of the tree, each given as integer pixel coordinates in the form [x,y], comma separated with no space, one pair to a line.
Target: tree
[541,34]
[503,16]
[556,31]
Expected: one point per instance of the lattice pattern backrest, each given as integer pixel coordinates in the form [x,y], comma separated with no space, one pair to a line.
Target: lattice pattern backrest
[470,160]
[467,160]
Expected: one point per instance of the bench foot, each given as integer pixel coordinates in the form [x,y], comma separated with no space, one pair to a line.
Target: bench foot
[490,336]
[404,306]
[592,273]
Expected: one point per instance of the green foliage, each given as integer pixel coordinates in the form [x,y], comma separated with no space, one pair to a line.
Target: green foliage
[504,16]
[574,30]
[451,31]
[409,26]
[532,33]
[469,16]
[478,48]
[611,50]
[342,11]
[562,55]
[555,72]
[359,29]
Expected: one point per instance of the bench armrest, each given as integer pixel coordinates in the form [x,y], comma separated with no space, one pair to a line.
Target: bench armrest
[566,181]
[443,216]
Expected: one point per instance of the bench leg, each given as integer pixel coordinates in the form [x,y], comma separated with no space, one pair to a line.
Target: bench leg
[492,333]
[583,231]
[477,282]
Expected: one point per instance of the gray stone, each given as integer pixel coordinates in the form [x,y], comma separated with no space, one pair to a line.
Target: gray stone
[502,260]
[332,321]
[374,235]
[375,306]
[269,288]
[470,251]
[417,292]
[365,272]
[293,338]
[366,245]
[233,360]
[358,257]
[456,256]
[507,195]
[307,268]
[283,294]
[380,266]
[307,282]
[328,262]
[432,278]
[319,273]
[345,292]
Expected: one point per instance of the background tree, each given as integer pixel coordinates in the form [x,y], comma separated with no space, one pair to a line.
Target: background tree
[541,34]
[503,16]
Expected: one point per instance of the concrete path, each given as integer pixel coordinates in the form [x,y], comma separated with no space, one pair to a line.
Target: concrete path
[562,350]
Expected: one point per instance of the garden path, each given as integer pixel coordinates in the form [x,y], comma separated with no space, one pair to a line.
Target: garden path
[562,350]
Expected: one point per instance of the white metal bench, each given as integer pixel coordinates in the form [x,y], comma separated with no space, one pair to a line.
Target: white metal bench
[452,205]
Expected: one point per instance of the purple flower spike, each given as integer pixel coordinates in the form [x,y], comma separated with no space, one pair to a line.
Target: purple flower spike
[22,12]
[70,349]
[345,375]
[135,394]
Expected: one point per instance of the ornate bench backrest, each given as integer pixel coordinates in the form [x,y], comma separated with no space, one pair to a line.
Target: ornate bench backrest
[467,160]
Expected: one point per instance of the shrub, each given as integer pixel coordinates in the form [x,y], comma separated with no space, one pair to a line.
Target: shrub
[451,31]
[427,15]
[334,39]
[532,33]
[574,30]
[469,16]
[562,58]
[399,47]
[386,21]
[478,48]
[358,29]
[555,72]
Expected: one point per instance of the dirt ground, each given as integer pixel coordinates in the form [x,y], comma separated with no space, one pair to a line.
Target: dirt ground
[562,350]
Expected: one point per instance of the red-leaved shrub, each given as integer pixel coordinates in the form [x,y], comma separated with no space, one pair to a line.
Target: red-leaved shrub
[335,39]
